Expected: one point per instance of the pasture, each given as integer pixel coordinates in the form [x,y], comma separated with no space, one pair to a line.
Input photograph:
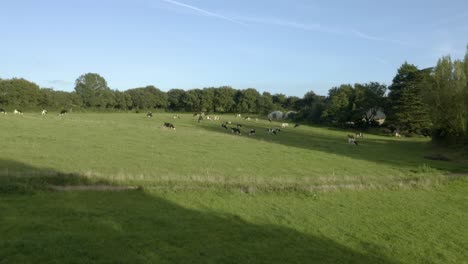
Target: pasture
[211,196]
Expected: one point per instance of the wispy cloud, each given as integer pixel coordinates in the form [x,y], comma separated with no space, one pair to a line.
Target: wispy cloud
[284,23]
[203,11]
[315,27]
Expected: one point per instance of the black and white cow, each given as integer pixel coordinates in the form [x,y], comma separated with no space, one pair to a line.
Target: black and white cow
[149,115]
[252,132]
[63,112]
[296,125]
[169,125]
[224,126]
[3,111]
[235,130]
[274,131]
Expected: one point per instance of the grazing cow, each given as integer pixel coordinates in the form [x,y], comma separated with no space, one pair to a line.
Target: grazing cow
[149,115]
[274,131]
[3,111]
[18,112]
[224,126]
[238,116]
[195,114]
[359,135]
[63,112]
[44,112]
[200,118]
[247,118]
[235,130]
[352,140]
[252,132]
[169,125]
[216,118]
[283,125]
[209,118]
[176,117]
[239,125]
[396,133]
[296,125]
[269,120]
[228,123]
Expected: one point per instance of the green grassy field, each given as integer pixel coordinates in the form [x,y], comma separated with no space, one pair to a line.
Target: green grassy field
[209,196]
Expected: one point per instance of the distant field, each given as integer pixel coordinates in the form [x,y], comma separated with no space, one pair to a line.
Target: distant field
[209,196]
[132,149]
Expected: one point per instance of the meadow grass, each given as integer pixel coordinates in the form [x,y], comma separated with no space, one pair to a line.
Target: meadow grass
[132,149]
[208,196]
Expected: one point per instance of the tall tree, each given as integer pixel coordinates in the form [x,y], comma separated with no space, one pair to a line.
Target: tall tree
[407,109]
[340,104]
[93,90]
[369,100]
[446,94]
[311,107]
[224,99]
[19,93]
[175,99]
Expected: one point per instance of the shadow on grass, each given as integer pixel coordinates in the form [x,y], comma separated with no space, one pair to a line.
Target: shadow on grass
[403,153]
[43,226]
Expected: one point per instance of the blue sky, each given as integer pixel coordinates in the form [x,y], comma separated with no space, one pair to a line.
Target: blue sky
[280,46]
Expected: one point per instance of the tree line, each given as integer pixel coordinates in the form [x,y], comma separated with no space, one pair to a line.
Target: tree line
[431,101]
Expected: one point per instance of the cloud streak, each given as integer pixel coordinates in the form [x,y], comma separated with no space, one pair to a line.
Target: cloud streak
[202,11]
[319,28]
[283,23]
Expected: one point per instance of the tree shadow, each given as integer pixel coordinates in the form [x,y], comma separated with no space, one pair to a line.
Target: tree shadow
[44,226]
[403,153]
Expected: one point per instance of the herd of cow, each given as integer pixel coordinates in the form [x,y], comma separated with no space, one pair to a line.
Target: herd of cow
[19,112]
[237,129]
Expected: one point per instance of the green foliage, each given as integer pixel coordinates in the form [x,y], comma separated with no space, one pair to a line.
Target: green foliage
[175,100]
[148,97]
[93,90]
[224,99]
[359,103]
[407,109]
[447,94]
[18,93]
[311,108]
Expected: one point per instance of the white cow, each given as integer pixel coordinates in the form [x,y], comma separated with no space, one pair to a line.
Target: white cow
[283,125]
[352,140]
[44,112]
[18,112]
